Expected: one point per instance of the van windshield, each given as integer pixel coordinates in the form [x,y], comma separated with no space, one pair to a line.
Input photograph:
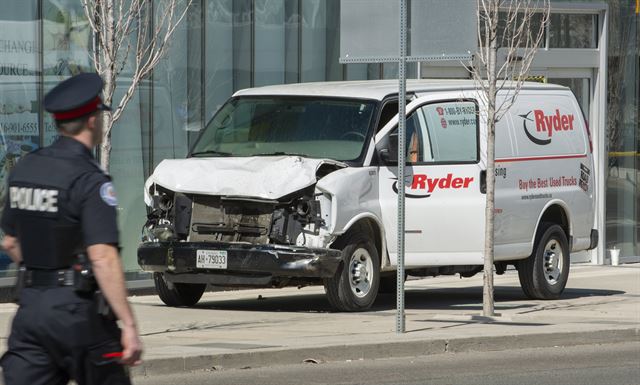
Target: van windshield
[311,127]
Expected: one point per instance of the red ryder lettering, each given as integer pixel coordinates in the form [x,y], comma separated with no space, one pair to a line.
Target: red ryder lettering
[550,123]
[422,181]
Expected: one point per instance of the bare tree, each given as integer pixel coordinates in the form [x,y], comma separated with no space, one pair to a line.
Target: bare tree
[515,28]
[132,35]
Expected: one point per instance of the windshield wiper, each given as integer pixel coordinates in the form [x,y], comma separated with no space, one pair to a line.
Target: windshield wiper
[279,153]
[211,152]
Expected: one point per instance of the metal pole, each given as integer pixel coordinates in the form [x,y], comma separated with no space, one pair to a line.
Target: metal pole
[400,320]
[40,75]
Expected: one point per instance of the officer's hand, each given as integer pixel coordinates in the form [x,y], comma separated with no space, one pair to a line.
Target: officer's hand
[132,346]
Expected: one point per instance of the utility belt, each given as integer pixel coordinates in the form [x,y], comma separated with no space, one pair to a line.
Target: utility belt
[79,276]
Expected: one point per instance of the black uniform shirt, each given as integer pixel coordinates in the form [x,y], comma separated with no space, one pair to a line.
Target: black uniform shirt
[92,201]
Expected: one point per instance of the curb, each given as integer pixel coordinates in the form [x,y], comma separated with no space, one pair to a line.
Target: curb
[270,357]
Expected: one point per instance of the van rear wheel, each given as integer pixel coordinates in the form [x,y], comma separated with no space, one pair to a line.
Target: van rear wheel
[178,294]
[354,286]
[545,273]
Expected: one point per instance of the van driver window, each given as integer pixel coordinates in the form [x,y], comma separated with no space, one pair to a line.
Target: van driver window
[442,132]
[452,131]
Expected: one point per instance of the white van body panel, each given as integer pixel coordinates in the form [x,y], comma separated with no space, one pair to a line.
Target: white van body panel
[552,165]
[354,195]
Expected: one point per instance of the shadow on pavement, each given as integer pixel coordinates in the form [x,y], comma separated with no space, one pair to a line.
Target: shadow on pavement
[468,299]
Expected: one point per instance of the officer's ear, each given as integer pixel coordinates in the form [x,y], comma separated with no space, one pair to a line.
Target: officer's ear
[94,124]
[92,120]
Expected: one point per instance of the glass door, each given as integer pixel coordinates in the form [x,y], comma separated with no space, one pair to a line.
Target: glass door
[580,81]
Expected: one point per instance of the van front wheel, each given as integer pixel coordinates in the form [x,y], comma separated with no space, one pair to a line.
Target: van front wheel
[545,273]
[178,294]
[354,286]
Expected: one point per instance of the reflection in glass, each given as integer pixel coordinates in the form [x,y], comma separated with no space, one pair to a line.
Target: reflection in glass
[504,33]
[218,81]
[573,31]
[19,132]
[171,91]
[390,70]
[334,70]
[66,46]
[292,41]
[623,135]
[317,33]
[194,26]
[242,44]
[269,42]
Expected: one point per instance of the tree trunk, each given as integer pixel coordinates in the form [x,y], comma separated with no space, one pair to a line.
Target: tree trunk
[109,78]
[487,295]
[105,146]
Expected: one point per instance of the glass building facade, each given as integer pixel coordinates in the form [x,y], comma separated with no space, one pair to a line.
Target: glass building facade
[226,45]
[622,130]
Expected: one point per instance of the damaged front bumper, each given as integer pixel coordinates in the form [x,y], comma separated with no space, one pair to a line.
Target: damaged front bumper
[246,264]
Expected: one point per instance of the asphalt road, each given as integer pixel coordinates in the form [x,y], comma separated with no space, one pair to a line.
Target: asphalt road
[581,365]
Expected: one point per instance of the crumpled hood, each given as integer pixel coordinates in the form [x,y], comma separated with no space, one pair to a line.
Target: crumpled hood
[267,177]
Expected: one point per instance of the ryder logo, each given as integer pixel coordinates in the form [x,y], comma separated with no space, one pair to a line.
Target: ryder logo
[421,186]
[546,125]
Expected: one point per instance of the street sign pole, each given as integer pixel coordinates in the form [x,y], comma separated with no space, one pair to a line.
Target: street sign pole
[400,316]
[362,41]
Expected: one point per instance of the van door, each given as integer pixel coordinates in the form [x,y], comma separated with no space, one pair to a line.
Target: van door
[444,203]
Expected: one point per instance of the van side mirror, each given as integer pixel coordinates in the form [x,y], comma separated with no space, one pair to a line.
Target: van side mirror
[389,155]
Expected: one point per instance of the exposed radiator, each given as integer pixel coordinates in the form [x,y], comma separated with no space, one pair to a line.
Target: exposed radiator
[214,219]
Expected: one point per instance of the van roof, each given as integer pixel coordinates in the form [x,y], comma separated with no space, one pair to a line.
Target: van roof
[376,89]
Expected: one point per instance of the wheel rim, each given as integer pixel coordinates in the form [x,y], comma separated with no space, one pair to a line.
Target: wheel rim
[553,261]
[360,272]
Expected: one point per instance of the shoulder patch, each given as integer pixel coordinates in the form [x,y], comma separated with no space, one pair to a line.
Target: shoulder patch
[108,194]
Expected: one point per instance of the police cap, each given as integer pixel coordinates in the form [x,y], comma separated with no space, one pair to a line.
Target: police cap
[75,97]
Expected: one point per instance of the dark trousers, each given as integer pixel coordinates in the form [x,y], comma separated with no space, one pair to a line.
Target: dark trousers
[57,335]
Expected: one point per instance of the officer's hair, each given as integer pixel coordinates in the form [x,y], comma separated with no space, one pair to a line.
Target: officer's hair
[73,126]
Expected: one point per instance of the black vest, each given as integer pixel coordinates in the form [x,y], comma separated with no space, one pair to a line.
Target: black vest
[46,214]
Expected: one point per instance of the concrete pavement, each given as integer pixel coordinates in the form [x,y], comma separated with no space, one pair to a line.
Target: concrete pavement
[617,363]
[252,328]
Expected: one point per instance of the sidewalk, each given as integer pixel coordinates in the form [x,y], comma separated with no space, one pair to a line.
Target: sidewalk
[263,327]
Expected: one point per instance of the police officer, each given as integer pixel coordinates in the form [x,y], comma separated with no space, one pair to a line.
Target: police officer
[61,207]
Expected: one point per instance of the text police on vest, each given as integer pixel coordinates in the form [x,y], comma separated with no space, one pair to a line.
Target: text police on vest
[34,199]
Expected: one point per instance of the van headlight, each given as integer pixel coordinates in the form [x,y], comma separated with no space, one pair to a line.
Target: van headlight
[158,231]
[164,202]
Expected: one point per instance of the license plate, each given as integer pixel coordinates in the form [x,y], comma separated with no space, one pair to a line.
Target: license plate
[211,259]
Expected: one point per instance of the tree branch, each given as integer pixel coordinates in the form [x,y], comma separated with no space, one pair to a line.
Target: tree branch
[121,29]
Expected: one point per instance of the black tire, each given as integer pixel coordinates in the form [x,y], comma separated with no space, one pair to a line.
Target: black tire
[178,294]
[356,243]
[544,274]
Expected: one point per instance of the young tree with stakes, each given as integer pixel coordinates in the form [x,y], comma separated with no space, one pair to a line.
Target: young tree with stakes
[515,29]
[133,34]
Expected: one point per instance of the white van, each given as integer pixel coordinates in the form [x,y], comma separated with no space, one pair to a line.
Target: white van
[297,185]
